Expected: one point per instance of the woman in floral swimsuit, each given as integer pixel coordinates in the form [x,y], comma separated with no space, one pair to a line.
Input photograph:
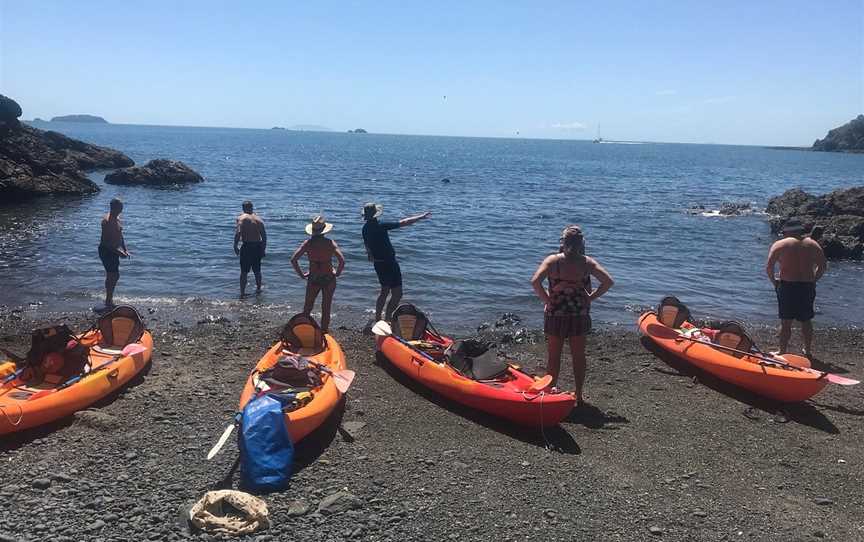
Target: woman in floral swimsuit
[568,301]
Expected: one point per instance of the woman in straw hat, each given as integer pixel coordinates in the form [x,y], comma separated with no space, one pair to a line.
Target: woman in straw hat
[568,301]
[321,277]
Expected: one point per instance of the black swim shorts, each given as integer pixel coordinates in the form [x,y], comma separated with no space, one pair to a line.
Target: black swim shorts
[250,256]
[110,259]
[389,274]
[795,300]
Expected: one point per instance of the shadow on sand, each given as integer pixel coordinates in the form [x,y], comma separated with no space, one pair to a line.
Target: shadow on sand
[552,438]
[305,453]
[22,438]
[592,417]
[802,413]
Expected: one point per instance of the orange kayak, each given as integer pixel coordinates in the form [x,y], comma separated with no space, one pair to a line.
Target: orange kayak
[508,396]
[749,372]
[21,408]
[307,418]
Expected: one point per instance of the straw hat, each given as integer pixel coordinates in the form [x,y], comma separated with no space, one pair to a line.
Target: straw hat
[318,226]
[372,210]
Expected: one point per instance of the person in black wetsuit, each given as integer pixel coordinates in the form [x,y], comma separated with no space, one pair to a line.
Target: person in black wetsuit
[568,302]
[380,252]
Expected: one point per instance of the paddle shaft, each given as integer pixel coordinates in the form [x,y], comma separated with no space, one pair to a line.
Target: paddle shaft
[751,354]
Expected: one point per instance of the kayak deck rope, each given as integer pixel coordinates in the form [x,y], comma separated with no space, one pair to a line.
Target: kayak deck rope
[9,418]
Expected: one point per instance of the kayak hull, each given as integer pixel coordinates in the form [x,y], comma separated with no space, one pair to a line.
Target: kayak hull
[771,381]
[17,413]
[326,397]
[508,398]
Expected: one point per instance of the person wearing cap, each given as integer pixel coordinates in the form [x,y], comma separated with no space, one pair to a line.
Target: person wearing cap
[321,277]
[250,230]
[568,302]
[802,263]
[112,247]
[382,255]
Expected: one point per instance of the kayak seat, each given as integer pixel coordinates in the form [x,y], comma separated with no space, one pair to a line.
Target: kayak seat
[672,313]
[118,329]
[732,335]
[302,335]
[475,359]
[409,322]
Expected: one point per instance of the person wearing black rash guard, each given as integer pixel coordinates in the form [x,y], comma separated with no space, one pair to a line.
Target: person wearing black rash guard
[382,255]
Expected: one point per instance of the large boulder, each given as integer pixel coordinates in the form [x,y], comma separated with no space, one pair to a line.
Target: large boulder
[9,113]
[155,173]
[36,163]
[839,215]
[846,138]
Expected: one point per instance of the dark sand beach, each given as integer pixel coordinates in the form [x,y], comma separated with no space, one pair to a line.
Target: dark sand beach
[659,454]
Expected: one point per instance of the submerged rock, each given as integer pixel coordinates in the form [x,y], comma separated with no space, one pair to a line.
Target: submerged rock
[728,208]
[36,163]
[155,173]
[835,219]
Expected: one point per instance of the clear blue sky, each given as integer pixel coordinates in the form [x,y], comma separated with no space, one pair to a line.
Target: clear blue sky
[749,72]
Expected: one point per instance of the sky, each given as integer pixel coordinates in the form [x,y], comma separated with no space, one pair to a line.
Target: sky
[737,72]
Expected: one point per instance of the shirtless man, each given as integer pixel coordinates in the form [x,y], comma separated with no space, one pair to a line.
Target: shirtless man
[250,230]
[112,247]
[802,263]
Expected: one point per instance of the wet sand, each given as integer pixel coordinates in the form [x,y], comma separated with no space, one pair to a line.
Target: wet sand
[661,452]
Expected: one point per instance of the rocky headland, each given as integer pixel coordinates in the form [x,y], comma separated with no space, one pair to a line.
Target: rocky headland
[80,118]
[846,138]
[36,163]
[155,173]
[838,216]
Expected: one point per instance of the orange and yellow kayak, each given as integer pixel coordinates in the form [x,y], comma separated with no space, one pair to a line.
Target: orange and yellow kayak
[22,406]
[752,373]
[325,398]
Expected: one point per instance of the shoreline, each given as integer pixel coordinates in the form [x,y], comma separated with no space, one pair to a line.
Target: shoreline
[657,451]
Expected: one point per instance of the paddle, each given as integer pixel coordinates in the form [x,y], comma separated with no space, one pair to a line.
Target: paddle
[128,350]
[663,332]
[224,438]
[383,329]
[540,384]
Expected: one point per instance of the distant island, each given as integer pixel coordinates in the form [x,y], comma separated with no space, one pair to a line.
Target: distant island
[358,131]
[846,138]
[80,118]
[278,128]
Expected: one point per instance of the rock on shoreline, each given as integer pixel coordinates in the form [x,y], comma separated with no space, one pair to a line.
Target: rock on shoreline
[155,173]
[846,138]
[36,163]
[840,215]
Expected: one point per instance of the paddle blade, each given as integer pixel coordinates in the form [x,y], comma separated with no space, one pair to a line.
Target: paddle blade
[662,332]
[221,442]
[541,384]
[132,349]
[39,394]
[343,379]
[382,329]
[842,380]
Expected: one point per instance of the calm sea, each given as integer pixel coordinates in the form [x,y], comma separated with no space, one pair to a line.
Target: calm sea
[499,215]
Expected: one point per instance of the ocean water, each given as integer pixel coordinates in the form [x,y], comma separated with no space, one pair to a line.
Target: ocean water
[491,225]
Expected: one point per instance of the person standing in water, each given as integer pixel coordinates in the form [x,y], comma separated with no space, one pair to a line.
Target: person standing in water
[568,302]
[382,255]
[112,247]
[802,263]
[321,277]
[250,230]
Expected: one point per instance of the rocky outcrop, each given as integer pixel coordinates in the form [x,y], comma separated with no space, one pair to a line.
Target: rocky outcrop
[36,163]
[155,173]
[358,131]
[846,138]
[80,118]
[9,113]
[837,216]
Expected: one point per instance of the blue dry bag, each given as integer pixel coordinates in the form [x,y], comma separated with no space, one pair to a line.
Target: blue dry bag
[266,451]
